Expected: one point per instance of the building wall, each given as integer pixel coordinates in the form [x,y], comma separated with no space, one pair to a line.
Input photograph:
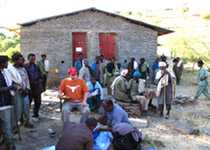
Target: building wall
[54,37]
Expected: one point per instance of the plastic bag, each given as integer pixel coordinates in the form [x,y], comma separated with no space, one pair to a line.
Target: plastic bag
[102,140]
[49,148]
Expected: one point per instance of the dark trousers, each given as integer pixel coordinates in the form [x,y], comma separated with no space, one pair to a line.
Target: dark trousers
[125,142]
[178,78]
[35,95]
[94,103]
[44,82]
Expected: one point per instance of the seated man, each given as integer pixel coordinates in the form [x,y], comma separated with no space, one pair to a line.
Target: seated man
[80,138]
[120,87]
[95,94]
[144,97]
[75,92]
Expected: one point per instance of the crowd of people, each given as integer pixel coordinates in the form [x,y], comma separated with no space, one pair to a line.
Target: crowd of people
[20,84]
[129,81]
[126,83]
[83,90]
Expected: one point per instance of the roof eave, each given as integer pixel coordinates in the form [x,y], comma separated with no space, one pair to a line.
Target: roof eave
[161,31]
[164,31]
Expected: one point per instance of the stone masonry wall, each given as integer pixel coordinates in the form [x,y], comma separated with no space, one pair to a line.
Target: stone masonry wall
[54,37]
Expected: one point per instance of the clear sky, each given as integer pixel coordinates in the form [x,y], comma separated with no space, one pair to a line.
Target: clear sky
[19,11]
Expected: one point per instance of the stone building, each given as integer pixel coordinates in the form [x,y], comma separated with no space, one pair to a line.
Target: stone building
[90,32]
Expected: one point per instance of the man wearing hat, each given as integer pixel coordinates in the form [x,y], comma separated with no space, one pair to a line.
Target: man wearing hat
[75,91]
[202,81]
[165,83]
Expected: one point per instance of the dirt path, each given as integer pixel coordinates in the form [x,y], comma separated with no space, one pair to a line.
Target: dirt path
[188,128]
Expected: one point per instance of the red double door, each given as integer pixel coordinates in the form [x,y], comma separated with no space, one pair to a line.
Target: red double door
[107,44]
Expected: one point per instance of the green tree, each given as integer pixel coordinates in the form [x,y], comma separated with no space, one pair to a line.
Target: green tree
[9,44]
[189,48]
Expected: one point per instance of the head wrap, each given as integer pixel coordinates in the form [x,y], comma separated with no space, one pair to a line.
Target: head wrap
[124,72]
[162,64]
[136,74]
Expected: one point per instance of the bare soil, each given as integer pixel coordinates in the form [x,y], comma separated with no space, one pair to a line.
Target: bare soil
[188,127]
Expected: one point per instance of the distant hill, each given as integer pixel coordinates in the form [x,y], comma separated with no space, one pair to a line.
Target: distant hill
[191,39]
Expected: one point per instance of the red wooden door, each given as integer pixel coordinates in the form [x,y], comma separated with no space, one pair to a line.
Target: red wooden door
[79,45]
[107,43]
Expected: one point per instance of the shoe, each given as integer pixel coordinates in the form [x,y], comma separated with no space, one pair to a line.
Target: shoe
[35,119]
[161,115]
[51,132]
[167,114]
[15,130]
[35,116]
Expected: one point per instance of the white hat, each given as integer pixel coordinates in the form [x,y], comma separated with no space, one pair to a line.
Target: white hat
[124,72]
[162,64]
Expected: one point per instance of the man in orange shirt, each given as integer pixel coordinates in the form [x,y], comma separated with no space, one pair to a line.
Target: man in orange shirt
[75,90]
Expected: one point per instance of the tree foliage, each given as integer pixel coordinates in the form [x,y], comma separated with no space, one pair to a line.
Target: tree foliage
[9,44]
[189,48]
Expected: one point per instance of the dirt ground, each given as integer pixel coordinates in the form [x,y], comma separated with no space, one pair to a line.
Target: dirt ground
[188,127]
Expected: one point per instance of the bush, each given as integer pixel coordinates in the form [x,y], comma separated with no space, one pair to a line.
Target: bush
[189,48]
[206,16]
[9,45]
